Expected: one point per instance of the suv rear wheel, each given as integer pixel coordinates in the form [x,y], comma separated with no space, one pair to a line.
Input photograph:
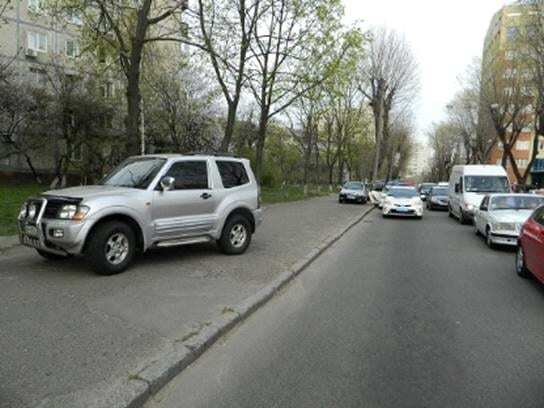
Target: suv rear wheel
[111,248]
[236,235]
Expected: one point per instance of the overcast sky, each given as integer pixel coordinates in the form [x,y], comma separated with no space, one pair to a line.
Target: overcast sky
[445,36]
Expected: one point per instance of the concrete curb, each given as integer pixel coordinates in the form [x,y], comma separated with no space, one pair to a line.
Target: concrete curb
[169,364]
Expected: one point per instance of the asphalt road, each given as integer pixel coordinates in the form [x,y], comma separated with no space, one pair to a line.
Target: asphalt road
[67,334]
[398,313]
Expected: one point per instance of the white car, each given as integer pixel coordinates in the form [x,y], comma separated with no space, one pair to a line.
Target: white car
[500,217]
[402,202]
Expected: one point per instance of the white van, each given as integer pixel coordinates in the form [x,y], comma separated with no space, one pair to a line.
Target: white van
[468,186]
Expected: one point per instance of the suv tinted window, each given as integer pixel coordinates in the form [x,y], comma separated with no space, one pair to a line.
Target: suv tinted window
[232,173]
[189,175]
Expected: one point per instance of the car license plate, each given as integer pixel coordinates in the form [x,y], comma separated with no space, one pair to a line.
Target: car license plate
[402,209]
[30,241]
[351,196]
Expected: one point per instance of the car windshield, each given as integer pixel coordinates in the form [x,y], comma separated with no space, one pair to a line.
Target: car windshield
[514,202]
[134,173]
[486,184]
[354,186]
[425,188]
[403,192]
[439,191]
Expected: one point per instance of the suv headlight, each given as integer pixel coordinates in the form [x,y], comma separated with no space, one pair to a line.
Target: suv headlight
[31,212]
[73,212]
[23,211]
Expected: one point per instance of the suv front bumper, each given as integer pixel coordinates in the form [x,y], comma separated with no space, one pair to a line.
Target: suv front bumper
[56,236]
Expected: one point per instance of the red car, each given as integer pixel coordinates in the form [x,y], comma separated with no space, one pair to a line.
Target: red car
[530,255]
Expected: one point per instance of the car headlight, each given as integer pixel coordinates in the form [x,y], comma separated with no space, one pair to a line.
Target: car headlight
[73,212]
[504,226]
[470,207]
[23,211]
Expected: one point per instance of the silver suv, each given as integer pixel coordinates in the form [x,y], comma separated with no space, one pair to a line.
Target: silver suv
[147,201]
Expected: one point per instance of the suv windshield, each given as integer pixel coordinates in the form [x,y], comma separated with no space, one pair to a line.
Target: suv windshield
[134,173]
[486,184]
[516,203]
[441,191]
[353,186]
[403,192]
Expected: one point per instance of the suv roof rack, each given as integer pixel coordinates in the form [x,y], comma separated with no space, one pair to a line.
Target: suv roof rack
[216,154]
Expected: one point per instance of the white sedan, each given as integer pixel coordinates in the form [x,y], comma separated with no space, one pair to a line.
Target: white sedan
[500,217]
[402,202]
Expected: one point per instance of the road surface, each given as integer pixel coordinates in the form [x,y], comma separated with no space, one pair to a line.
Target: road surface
[398,313]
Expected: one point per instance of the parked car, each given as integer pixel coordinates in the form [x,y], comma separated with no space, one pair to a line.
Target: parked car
[468,186]
[353,191]
[424,189]
[438,198]
[530,253]
[500,217]
[146,202]
[403,202]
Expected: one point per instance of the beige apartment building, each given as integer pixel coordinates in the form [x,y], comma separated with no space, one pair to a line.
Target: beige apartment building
[33,42]
[501,44]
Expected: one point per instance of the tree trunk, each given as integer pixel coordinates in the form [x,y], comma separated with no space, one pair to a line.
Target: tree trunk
[32,169]
[378,108]
[133,112]
[229,128]
[261,138]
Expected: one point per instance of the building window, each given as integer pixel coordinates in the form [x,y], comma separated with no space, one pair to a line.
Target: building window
[76,153]
[71,48]
[74,17]
[522,145]
[39,76]
[107,90]
[522,163]
[37,41]
[512,33]
[510,55]
[35,6]
[508,91]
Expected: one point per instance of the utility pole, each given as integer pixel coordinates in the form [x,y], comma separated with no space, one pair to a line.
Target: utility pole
[142,127]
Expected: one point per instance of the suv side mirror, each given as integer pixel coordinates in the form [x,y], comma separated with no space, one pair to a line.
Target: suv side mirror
[167,183]
[483,207]
[457,187]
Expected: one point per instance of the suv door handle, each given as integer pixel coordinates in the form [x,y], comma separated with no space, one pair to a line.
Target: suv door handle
[205,196]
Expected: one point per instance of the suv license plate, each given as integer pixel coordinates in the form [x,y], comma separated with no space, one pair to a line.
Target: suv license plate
[31,230]
[30,241]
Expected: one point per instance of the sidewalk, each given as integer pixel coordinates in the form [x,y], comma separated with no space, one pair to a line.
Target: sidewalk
[71,338]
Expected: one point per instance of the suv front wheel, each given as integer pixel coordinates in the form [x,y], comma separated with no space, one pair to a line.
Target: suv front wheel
[111,248]
[236,235]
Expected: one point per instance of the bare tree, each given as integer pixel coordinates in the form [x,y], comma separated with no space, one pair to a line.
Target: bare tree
[507,99]
[390,79]
[444,141]
[224,30]
[289,37]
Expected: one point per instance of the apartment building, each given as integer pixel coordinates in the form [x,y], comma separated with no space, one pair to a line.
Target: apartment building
[502,45]
[35,44]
